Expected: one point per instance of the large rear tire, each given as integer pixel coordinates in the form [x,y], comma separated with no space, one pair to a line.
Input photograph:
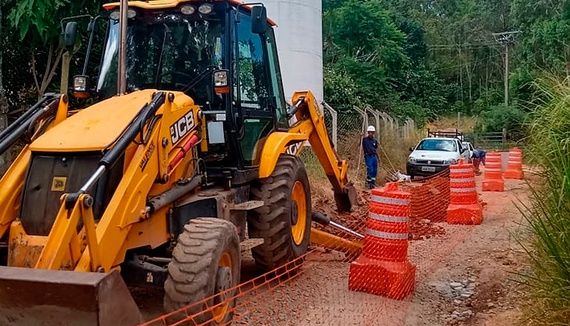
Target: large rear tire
[284,222]
[206,261]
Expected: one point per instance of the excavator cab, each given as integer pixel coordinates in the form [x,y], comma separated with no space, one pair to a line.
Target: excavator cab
[185,151]
[219,54]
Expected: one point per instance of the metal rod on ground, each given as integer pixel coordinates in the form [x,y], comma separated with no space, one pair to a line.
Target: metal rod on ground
[324,220]
[338,226]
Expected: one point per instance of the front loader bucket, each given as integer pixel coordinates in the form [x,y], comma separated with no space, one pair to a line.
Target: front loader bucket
[46,297]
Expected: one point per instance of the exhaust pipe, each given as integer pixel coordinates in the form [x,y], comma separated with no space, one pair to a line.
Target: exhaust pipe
[122,64]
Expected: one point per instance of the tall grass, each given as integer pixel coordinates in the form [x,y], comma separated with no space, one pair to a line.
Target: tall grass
[549,213]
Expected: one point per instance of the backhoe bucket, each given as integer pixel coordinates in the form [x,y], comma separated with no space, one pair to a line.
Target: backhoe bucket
[347,199]
[46,297]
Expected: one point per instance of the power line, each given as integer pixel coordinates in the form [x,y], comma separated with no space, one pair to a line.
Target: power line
[457,46]
[463,63]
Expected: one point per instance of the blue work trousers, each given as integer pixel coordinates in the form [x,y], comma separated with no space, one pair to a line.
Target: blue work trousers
[371,169]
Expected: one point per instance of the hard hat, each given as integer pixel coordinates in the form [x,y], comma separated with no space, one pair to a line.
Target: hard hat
[371,128]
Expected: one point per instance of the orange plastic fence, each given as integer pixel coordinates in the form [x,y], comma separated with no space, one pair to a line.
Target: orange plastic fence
[247,293]
[337,287]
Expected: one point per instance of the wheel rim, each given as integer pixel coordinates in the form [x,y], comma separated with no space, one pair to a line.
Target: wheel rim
[299,213]
[223,283]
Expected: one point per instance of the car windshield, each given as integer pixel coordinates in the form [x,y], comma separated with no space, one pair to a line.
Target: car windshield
[435,144]
[168,52]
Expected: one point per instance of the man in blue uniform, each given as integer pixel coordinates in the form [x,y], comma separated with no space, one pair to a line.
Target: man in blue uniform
[478,158]
[370,145]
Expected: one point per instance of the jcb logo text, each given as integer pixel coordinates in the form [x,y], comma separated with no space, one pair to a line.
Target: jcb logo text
[182,127]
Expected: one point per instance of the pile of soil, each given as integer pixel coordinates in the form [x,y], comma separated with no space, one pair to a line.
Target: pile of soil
[429,203]
[428,206]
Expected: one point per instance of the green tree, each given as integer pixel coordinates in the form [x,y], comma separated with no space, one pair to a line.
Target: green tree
[3,99]
[39,29]
[363,46]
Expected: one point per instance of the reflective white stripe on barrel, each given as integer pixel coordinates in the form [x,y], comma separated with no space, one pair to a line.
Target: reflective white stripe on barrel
[386,235]
[493,170]
[388,218]
[388,200]
[462,190]
[461,180]
[461,170]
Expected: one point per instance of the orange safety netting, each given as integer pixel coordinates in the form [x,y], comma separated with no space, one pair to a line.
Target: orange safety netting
[331,285]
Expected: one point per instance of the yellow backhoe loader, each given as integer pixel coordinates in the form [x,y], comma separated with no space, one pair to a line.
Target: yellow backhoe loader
[186,148]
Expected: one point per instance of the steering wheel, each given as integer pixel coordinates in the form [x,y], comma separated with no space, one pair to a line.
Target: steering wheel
[159,77]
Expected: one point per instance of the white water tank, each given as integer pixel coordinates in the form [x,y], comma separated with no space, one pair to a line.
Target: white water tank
[299,34]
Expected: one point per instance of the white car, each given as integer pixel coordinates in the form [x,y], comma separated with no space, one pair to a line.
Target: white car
[433,155]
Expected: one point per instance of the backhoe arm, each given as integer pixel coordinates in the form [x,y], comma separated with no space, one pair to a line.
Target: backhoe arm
[311,122]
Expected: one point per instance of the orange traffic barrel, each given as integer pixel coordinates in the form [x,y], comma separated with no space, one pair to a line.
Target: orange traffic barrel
[388,224]
[515,167]
[462,187]
[493,180]
[383,267]
[464,207]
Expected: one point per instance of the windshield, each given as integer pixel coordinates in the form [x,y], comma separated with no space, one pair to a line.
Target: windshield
[167,52]
[444,145]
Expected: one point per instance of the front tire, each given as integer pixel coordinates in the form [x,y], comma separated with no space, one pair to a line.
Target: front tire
[284,222]
[206,261]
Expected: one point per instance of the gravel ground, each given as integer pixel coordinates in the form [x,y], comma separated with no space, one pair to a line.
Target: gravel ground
[462,278]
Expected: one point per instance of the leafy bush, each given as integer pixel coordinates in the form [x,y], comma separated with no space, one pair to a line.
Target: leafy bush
[340,89]
[499,117]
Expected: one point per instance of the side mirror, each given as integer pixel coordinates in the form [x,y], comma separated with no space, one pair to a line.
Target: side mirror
[259,23]
[70,35]
[411,149]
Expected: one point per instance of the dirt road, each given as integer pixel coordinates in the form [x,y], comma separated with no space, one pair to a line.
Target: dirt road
[463,278]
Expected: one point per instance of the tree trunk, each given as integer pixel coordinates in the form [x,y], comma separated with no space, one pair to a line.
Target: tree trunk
[469,80]
[4,157]
[460,58]
[54,57]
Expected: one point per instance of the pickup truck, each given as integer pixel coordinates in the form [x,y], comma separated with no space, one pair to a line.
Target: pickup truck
[433,155]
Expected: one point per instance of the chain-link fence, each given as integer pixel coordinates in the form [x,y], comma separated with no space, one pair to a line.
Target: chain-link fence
[347,127]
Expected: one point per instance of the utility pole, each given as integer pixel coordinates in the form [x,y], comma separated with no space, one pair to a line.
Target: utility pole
[506,39]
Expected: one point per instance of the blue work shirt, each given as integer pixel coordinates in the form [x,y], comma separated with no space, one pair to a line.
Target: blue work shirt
[478,153]
[369,145]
